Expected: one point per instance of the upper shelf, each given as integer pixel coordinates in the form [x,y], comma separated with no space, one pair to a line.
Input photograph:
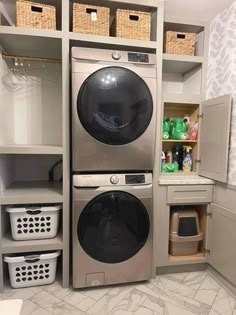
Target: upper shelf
[30,149]
[31,42]
[112,41]
[181,63]
[145,5]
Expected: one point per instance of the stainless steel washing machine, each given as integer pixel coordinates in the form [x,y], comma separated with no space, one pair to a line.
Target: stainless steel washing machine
[112,229]
[113,110]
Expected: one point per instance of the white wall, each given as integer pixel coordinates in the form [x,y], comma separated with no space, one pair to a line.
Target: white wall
[197,9]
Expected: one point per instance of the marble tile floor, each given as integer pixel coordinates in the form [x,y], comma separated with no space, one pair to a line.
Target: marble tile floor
[173,294]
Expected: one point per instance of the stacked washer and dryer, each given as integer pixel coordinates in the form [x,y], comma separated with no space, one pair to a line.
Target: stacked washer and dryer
[113,142]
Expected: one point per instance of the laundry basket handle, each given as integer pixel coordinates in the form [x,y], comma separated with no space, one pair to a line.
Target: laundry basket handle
[33,211]
[32,259]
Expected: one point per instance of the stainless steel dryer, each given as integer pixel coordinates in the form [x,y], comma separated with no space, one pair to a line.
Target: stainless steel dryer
[112,229]
[113,110]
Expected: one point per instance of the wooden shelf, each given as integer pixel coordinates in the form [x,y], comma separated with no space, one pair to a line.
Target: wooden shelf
[182,98]
[31,42]
[11,246]
[32,192]
[30,149]
[181,260]
[180,64]
[181,141]
[112,41]
[128,4]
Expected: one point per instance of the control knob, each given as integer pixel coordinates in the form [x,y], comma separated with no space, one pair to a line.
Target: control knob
[114,179]
[116,55]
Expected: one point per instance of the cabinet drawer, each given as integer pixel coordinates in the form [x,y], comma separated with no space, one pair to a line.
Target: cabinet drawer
[189,194]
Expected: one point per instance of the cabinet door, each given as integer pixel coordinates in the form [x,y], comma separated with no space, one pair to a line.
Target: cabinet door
[222,240]
[214,138]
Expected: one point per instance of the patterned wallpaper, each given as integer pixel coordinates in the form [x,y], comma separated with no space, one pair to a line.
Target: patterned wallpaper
[222,71]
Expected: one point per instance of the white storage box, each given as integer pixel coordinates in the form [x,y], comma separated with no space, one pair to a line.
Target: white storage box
[32,270]
[34,222]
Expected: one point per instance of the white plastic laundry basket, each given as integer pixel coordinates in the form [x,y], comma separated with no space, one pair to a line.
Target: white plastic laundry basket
[34,222]
[32,270]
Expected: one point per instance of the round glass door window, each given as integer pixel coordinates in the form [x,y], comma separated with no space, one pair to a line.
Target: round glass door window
[113,227]
[115,105]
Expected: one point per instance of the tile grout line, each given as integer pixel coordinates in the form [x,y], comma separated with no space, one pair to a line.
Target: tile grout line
[199,288]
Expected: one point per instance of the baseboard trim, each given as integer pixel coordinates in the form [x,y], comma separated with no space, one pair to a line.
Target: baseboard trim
[180,268]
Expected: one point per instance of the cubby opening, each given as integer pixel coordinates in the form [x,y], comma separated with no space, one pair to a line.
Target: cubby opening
[33,224]
[202,215]
[10,7]
[31,107]
[182,77]
[183,27]
[173,111]
[114,5]
[27,179]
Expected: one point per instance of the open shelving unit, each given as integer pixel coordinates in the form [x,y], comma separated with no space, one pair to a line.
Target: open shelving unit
[41,145]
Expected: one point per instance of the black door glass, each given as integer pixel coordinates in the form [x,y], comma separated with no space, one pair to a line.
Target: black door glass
[115,105]
[113,227]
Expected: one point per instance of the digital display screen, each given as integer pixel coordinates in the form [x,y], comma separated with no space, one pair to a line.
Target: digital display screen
[136,57]
[134,179]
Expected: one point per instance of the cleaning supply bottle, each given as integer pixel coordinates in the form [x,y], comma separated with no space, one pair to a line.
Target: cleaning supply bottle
[169,156]
[166,129]
[163,157]
[187,159]
[178,156]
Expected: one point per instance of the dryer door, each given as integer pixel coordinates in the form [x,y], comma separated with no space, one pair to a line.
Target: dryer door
[113,227]
[115,105]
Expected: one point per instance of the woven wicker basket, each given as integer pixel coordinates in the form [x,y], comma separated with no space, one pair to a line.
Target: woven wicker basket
[35,15]
[90,19]
[179,43]
[132,24]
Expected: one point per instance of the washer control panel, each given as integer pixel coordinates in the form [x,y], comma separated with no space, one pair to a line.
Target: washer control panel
[137,57]
[114,179]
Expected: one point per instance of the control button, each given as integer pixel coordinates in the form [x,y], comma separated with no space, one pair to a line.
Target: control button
[114,179]
[116,55]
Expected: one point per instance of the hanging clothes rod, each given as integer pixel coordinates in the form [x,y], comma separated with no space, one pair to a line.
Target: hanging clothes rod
[31,58]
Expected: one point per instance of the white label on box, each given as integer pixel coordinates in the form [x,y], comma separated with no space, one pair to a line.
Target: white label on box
[94,16]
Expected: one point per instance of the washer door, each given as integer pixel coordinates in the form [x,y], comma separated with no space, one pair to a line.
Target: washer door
[113,227]
[115,105]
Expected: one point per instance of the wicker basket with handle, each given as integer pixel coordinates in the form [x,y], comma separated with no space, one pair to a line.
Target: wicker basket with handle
[132,24]
[180,43]
[89,19]
[35,15]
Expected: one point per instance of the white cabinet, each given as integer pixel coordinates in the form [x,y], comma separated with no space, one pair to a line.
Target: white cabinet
[214,138]
[221,241]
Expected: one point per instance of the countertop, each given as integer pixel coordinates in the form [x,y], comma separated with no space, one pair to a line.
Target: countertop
[185,179]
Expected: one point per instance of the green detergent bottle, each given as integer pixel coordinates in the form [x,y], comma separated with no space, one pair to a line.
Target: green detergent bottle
[179,130]
[166,129]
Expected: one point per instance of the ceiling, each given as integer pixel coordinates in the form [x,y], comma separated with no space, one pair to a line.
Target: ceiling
[197,9]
